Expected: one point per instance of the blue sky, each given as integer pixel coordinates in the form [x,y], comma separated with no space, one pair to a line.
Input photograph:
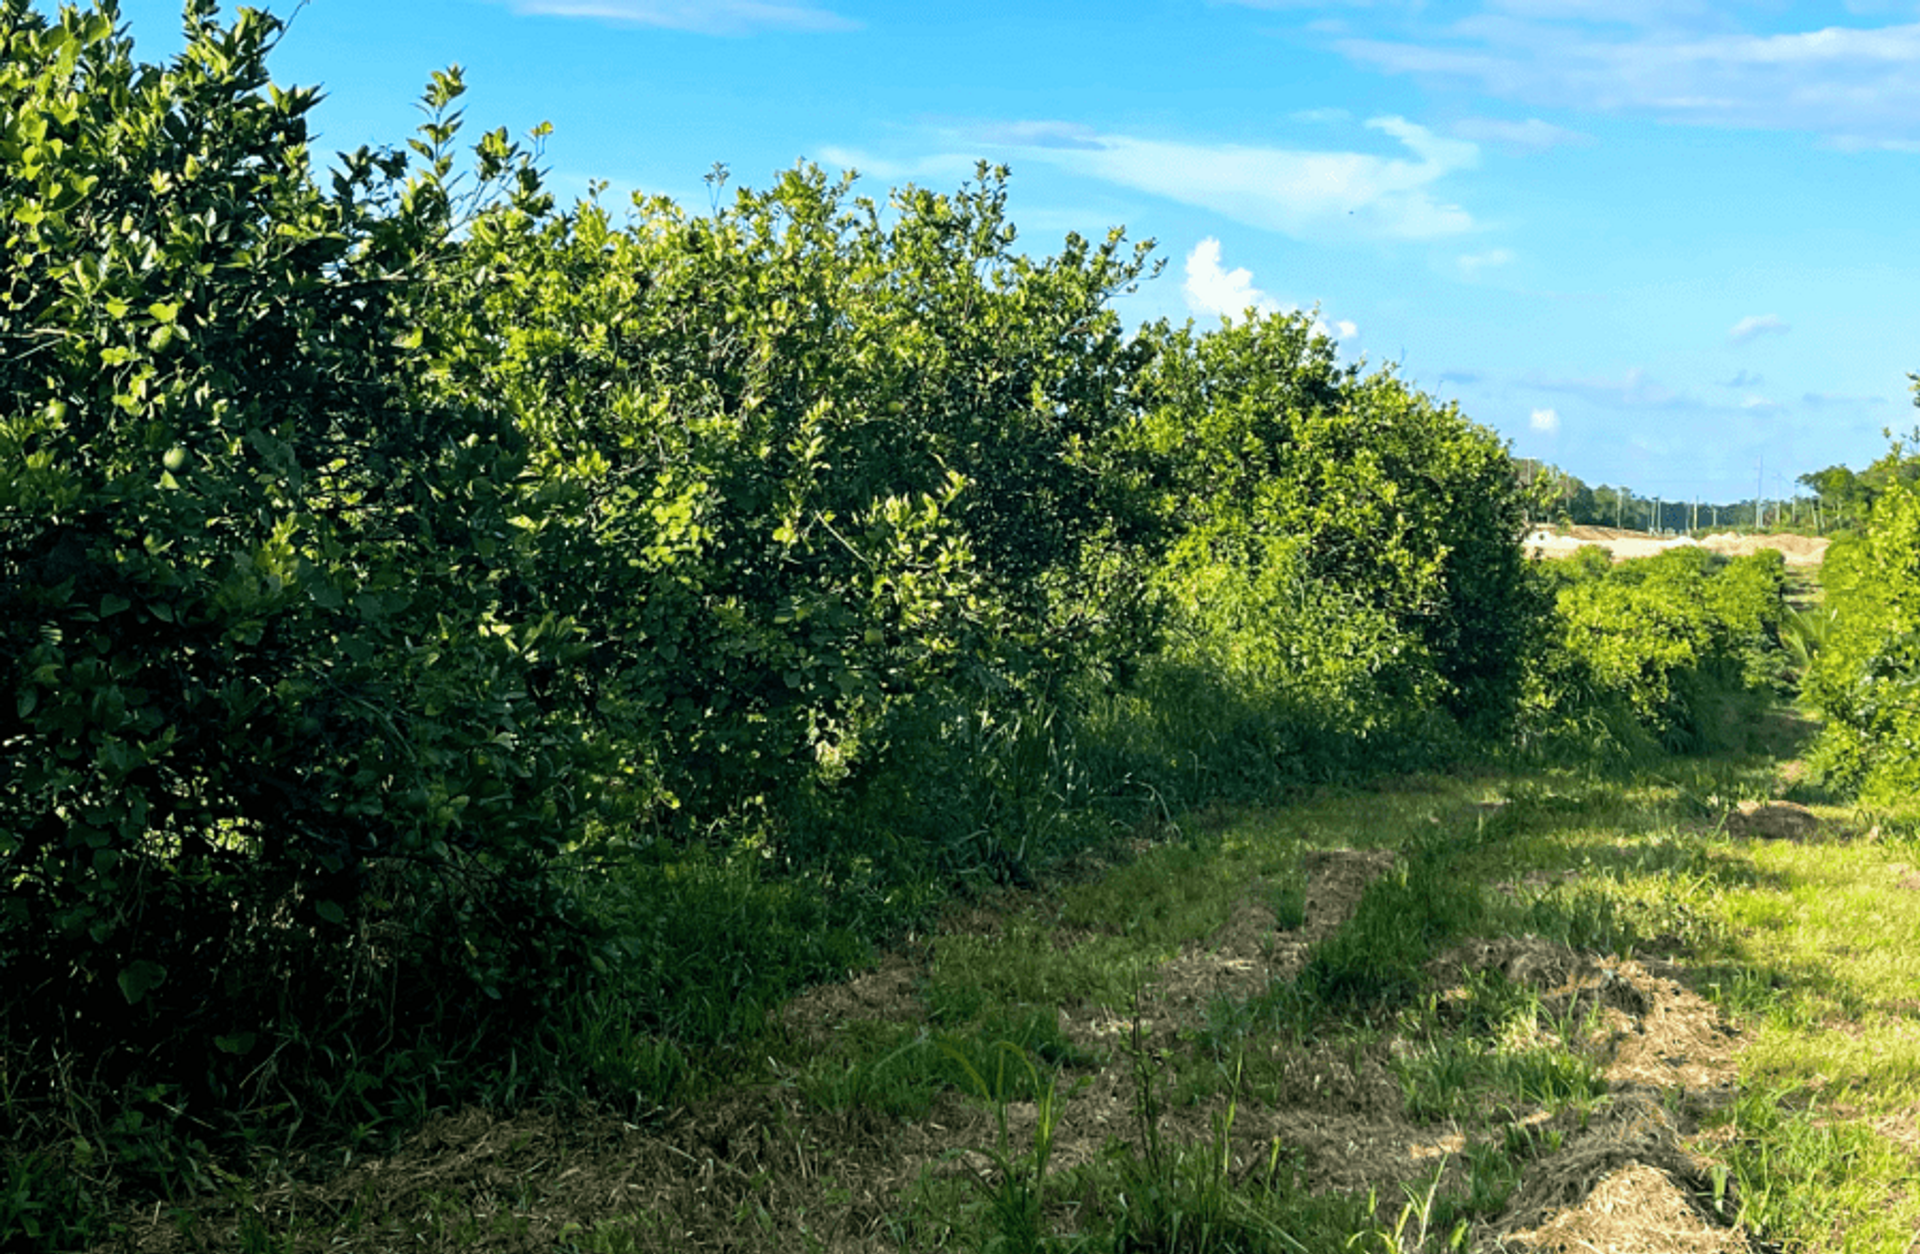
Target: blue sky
[1666,243]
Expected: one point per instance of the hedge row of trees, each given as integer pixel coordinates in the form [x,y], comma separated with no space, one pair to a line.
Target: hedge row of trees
[376,541]
[1866,680]
[405,579]
[1662,654]
[1567,501]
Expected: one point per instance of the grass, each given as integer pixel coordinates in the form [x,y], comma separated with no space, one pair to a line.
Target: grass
[985,1109]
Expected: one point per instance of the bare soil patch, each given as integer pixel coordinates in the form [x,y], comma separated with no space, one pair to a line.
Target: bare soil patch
[890,991]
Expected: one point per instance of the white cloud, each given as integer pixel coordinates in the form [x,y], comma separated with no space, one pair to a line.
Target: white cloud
[1757,325]
[943,165]
[1676,62]
[1544,420]
[1212,289]
[1306,194]
[1532,135]
[1474,263]
[705,17]
[1759,405]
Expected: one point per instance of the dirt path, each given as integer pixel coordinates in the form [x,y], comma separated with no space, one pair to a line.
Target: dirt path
[1567,1100]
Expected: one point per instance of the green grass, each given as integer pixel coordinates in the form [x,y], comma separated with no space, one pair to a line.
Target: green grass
[1808,947]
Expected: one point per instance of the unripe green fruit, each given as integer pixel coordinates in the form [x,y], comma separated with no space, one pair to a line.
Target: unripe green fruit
[175,458]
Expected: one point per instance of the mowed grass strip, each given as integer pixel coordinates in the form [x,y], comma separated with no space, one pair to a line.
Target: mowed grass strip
[1810,944]
[1807,945]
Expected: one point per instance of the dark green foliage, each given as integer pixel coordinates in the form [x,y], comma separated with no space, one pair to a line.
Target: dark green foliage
[276,775]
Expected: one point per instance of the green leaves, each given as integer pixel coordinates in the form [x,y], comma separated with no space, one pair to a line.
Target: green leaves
[140,978]
[1863,679]
[241,611]
[1253,439]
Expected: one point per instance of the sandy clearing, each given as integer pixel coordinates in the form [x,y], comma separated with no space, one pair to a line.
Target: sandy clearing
[1622,545]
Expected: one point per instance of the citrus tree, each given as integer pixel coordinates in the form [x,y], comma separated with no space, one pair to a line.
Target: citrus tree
[258,627]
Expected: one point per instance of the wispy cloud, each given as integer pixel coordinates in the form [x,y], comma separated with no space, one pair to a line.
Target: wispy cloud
[950,166]
[1302,193]
[1532,135]
[1742,379]
[1678,62]
[1827,400]
[1757,325]
[1546,421]
[1473,263]
[1036,134]
[1634,391]
[705,17]
[1861,143]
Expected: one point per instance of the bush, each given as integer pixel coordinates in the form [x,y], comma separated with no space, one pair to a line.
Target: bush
[831,473]
[1650,655]
[274,735]
[1865,681]
[1254,434]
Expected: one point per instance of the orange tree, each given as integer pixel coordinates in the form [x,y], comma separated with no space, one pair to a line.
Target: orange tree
[258,627]
[835,470]
[1368,533]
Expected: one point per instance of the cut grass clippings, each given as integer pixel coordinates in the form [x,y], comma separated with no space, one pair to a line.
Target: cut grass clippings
[1492,1012]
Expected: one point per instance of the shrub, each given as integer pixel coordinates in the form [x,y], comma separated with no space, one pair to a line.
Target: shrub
[273,724]
[1865,681]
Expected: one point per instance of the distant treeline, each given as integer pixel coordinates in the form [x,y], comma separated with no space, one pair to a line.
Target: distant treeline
[1834,499]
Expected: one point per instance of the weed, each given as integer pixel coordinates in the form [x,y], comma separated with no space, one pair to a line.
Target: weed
[1014,1197]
